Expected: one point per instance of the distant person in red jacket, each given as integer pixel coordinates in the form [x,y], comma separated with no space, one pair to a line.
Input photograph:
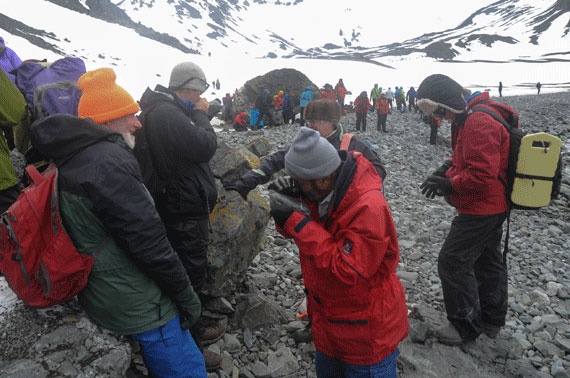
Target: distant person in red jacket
[334,210]
[328,92]
[382,110]
[340,91]
[361,107]
[241,121]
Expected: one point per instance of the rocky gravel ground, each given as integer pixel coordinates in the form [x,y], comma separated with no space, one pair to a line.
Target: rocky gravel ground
[536,339]
[534,343]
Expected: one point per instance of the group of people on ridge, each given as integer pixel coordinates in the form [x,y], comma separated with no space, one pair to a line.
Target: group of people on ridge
[145,220]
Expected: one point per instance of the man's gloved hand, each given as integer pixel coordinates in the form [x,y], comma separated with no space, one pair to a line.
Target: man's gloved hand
[442,170]
[189,307]
[240,187]
[285,185]
[435,185]
[282,206]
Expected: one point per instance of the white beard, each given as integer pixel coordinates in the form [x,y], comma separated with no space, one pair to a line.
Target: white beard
[129,139]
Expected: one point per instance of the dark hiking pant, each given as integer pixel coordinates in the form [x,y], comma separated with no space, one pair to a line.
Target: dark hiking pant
[361,120]
[190,239]
[381,122]
[267,113]
[433,134]
[473,274]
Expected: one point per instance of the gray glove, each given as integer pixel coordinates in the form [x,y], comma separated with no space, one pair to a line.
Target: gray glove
[285,185]
[189,307]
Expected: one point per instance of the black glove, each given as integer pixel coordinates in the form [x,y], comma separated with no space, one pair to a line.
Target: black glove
[189,307]
[282,206]
[442,170]
[240,187]
[285,185]
[435,185]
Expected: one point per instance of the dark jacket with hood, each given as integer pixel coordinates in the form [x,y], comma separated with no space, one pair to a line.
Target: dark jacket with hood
[276,161]
[110,215]
[181,142]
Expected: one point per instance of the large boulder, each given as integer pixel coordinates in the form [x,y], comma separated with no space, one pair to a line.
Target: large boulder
[287,79]
[237,226]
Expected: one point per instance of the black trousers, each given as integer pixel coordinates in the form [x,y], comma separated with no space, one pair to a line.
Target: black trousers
[361,120]
[190,239]
[473,274]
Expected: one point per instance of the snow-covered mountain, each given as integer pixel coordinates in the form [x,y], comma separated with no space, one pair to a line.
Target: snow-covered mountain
[235,40]
[506,30]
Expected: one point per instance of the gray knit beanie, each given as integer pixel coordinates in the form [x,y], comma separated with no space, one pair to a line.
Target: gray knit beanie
[188,75]
[310,156]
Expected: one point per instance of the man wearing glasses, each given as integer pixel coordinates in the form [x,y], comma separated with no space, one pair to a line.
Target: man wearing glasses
[174,148]
[322,115]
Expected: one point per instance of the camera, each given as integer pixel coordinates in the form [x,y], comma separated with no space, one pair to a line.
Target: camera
[440,112]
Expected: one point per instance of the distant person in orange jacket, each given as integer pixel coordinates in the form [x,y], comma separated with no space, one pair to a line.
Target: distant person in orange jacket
[361,107]
[382,110]
[340,91]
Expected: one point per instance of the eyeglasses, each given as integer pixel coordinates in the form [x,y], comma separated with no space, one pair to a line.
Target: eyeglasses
[440,112]
[195,78]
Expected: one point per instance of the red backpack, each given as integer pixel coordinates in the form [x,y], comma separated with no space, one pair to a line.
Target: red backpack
[37,257]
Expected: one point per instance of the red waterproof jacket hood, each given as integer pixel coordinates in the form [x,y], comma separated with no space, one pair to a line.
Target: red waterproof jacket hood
[355,300]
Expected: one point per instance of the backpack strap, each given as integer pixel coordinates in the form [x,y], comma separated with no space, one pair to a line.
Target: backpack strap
[492,113]
[500,119]
[345,141]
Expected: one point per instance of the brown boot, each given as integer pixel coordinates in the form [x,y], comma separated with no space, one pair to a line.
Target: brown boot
[212,359]
[448,334]
[213,333]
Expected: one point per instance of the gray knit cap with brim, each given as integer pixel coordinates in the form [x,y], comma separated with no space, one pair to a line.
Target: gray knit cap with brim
[310,156]
[441,91]
[187,75]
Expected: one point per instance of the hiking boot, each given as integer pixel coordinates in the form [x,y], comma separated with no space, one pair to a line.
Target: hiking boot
[212,359]
[213,333]
[448,334]
[303,335]
[490,330]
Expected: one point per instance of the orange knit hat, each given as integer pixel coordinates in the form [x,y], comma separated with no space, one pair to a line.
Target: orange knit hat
[102,100]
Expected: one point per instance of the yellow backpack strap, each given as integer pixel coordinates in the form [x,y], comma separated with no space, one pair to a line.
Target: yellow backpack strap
[345,141]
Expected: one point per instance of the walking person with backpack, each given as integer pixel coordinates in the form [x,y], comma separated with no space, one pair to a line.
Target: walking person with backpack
[173,119]
[472,270]
[138,286]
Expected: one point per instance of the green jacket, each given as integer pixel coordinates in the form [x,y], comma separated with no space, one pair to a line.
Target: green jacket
[110,215]
[12,107]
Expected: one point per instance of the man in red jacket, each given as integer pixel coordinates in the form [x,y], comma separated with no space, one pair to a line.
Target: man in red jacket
[472,270]
[333,208]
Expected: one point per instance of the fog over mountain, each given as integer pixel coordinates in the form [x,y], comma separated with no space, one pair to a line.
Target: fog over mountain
[390,36]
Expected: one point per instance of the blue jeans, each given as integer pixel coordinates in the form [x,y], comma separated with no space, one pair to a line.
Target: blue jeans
[328,367]
[169,351]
